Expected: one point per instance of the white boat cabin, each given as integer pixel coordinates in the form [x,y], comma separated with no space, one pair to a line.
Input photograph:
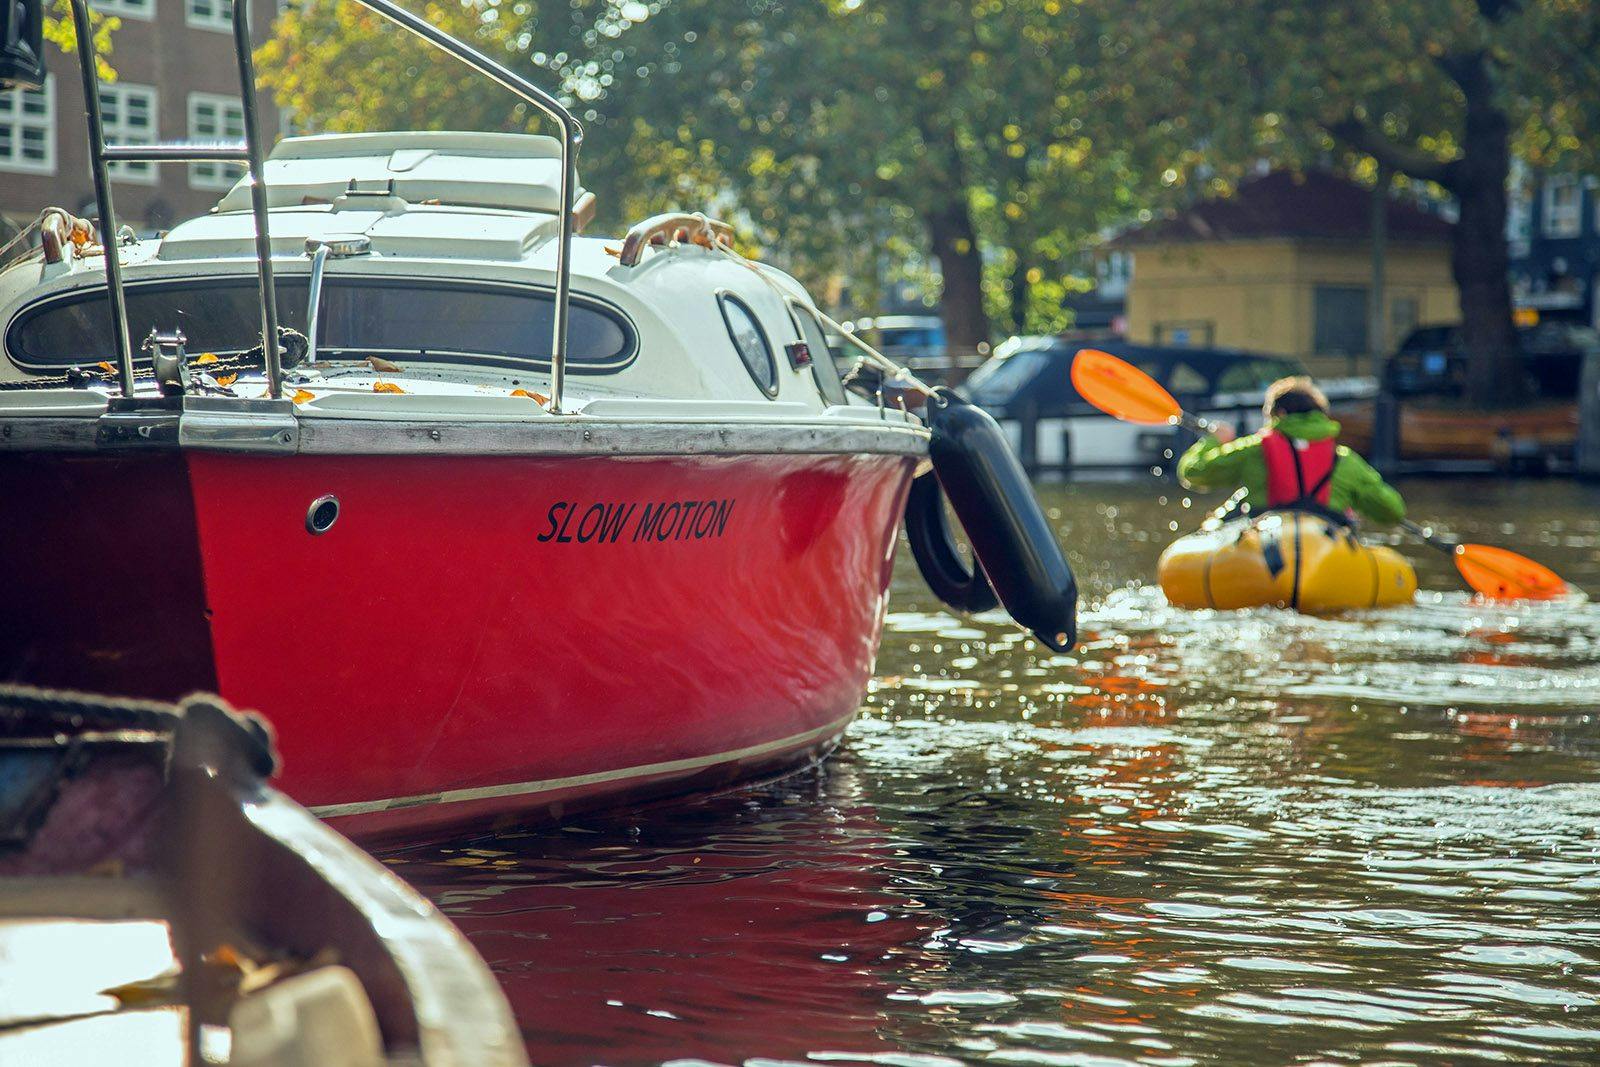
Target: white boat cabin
[439,284]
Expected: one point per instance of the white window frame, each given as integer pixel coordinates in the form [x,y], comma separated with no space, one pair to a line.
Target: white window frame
[1569,222]
[17,124]
[214,175]
[220,18]
[117,130]
[143,10]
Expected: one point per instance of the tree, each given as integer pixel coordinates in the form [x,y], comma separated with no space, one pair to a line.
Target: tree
[835,133]
[1441,91]
[968,121]
[60,30]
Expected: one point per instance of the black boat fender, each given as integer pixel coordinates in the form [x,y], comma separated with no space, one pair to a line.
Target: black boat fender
[933,546]
[1010,536]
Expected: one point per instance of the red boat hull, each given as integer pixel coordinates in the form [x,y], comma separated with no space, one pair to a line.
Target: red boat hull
[476,637]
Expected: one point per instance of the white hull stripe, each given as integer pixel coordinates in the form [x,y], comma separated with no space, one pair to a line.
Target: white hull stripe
[551,785]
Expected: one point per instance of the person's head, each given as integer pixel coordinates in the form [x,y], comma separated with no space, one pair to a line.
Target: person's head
[1293,396]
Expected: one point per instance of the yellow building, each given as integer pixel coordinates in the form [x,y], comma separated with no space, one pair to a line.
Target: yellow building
[1285,265]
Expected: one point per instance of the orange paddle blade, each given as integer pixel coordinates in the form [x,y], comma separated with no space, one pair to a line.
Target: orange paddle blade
[1118,388]
[1501,575]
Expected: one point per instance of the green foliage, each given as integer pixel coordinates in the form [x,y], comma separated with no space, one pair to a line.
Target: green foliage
[846,139]
[59,30]
[1223,84]
[1438,90]
[831,133]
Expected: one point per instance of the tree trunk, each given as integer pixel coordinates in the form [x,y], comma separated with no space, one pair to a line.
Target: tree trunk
[1478,256]
[955,245]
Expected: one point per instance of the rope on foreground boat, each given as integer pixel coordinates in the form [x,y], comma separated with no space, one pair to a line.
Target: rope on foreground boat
[24,708]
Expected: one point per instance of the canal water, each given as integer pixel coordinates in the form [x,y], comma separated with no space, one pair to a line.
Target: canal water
[1199,839]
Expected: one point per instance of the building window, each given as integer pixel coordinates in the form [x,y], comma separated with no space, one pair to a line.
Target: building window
[1113,272]
[214,119]
[128,113]
[28,129]
[1519,219]
[1339,317]
[1563,206]
[128,9]
[209,14]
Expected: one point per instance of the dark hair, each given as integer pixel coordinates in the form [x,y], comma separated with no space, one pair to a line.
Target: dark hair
[1293,396]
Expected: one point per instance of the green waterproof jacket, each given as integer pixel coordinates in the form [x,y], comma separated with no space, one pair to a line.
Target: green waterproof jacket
[1355,486]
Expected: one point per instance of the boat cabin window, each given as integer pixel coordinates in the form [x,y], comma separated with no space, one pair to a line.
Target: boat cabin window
[495,325]
[824,368]
[751,342]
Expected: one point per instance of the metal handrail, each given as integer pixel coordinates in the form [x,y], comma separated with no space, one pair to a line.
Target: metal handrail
[100,153]
[102,194]
[258,198]
[571,138]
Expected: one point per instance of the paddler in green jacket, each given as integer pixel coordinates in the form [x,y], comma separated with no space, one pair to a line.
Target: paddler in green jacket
[1294,461]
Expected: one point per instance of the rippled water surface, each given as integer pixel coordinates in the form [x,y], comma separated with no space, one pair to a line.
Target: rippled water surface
[1202,838]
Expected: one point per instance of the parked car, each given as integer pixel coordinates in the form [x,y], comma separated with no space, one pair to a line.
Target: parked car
[910,339]
[919,343]
[1427,374]
[1430,361]
[1027,386]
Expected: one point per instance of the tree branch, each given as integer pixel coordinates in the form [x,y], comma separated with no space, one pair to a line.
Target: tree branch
[1403,158]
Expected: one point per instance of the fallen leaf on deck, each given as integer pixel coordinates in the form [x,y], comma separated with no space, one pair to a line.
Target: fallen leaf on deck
[386,387]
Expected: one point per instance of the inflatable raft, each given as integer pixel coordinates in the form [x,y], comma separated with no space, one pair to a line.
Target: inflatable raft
[1297,559]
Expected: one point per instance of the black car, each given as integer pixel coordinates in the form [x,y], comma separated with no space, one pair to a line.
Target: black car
[1035,372]
[1431,361]
[1027,385]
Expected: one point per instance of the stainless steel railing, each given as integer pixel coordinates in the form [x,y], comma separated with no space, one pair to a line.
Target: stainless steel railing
[571,139]
[248,153]
[251,155]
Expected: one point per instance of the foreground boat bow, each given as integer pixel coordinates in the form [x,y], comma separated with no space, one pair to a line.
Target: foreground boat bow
[141,848]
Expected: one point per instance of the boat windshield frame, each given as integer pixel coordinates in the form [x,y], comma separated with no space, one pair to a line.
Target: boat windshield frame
[252,155]
[291,286]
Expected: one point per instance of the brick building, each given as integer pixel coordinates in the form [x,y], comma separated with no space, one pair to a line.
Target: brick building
[177,80]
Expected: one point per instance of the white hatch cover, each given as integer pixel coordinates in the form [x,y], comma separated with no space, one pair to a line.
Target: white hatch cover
[518,172]
[431,233]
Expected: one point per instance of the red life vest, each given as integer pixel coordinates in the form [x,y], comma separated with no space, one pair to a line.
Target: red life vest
[1297,471]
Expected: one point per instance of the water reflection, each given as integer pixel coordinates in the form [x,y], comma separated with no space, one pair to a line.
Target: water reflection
[1249,837]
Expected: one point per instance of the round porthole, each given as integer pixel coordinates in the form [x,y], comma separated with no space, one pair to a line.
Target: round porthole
[750,341]
[322,514]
